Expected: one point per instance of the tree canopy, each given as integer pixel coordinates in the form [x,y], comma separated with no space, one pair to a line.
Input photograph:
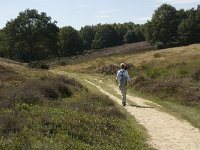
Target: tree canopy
[70,41]
[32,36]
[173,27]
[87,34]
[105,36]
[163,26]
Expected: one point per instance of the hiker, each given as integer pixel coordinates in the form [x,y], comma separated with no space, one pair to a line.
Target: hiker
[122,78]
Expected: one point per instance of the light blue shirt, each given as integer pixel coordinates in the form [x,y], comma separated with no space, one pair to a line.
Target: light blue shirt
[126,74]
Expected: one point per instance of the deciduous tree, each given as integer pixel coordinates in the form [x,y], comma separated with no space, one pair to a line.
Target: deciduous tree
[87,34]
[163,26]
[32,36]
[70,41]
[105,36]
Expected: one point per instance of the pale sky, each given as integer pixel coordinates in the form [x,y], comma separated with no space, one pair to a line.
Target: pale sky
[78,13]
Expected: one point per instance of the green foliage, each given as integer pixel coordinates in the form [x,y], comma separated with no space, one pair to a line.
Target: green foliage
[121,30]
[87,34]
[3,44]
[189,27]
[70,41]
[32,36]
[105,36]
[38,64]
[171,27]
[130,37]
[163,26]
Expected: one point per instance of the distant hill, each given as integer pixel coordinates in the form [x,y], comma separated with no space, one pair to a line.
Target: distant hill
[93,54]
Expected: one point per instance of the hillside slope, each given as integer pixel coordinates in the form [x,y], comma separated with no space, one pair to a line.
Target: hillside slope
[94,54]
[40,110]
[155,69]
[169,77]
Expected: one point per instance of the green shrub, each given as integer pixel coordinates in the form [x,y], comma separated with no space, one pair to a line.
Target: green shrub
[190,97]
[38,64]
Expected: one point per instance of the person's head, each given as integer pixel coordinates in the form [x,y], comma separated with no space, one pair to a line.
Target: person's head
[122,65]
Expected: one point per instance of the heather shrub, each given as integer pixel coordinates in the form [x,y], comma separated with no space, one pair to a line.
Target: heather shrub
[40,90]
[158,87]
[11,122]
[49,91]
[97,104]
[107,69]
[57,87]
[190,97]
[72,83]
[112,69]
[173,88]
[196,75]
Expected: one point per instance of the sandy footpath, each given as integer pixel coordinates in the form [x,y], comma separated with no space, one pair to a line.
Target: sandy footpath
[166,132]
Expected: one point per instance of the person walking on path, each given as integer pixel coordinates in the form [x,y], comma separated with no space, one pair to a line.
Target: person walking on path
[122,78]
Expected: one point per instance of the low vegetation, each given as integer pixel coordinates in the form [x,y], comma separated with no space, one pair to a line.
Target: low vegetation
[157,72]
[40,110]
[170,75]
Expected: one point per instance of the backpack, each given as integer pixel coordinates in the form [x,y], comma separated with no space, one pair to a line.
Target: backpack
[122,77]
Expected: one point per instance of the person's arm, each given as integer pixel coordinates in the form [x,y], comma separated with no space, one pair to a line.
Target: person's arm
[117,76]
[127,76]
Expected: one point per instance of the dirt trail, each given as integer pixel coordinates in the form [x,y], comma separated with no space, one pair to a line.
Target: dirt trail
[166,132]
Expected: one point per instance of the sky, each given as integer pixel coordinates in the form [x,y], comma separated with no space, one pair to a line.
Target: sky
[78,13]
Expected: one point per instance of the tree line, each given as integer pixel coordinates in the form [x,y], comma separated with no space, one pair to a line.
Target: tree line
[34,36]
[170,27]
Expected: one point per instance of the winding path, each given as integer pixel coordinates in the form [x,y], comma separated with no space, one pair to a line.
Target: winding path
[166,132]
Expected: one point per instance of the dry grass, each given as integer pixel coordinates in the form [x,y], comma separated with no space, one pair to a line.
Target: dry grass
[7,74]
[167,72]
[105,52]
[171,57]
